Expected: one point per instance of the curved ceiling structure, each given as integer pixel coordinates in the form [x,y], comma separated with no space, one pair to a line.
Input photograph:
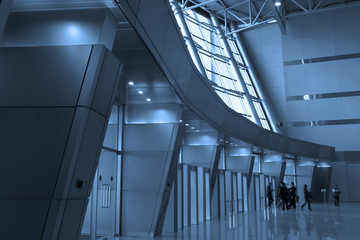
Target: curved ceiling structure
[156,25]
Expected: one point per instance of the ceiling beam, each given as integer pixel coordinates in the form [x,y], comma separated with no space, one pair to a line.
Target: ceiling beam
[233,6]
[277,16]
[258,15]
[324,9]
[311,5]
[199,5]
[300,6]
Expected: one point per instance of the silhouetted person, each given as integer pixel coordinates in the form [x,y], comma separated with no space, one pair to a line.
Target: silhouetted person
[307,196]
[336,194]
[269,194]
[292,196]
[284,195]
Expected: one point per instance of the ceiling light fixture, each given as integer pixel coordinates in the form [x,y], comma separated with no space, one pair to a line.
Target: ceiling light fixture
[140,92]
[148,99]
[131,83]
[278,3]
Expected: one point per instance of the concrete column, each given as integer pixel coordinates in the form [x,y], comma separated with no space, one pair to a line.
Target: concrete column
[194,195]
[180,197]
[228,193]
[201,194]
[186,196]
[240,192]
[267,181]
[252,194]
[202,150]
[228,186]
[150,156]
[262,191]
[245,192]
[203,153]
[54,115]
[250,170]
[215,200]
[171,218]
[207,195]
[257,192]
[214,168]
[222,194]
[282,171]
[235,192]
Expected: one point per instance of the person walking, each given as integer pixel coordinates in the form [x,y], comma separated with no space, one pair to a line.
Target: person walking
[269,194]
[292,199]
[336,194]
[307,196]
[284,196]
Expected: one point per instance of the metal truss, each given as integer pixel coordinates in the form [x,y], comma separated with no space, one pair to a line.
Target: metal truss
[245,13]
[312,6]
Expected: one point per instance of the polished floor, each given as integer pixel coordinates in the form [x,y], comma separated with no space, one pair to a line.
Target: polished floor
[325,222]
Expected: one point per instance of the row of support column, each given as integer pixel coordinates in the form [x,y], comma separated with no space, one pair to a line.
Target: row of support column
[239,179]
[174,182]
[192,203]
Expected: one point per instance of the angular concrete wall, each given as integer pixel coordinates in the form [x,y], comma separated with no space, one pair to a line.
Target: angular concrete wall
[53,120]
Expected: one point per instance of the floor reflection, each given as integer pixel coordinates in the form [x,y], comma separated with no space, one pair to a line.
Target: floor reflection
[325,222]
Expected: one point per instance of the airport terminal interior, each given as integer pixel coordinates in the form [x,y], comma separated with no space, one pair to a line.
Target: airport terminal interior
[179,119]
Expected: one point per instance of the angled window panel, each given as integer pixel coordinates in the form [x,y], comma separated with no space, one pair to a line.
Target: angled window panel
[259,110]
[199,42]
[251,91]
[224,97]
[206,61]
[219,71]
[214,77]
[237,103]
[223,69]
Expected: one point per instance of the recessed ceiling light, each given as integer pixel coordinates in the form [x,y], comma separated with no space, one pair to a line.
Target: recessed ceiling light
[131,83]
[278,3]
[180,120]
[186,124]
[140,92]
[148,99]
[192,127]
[197,130]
